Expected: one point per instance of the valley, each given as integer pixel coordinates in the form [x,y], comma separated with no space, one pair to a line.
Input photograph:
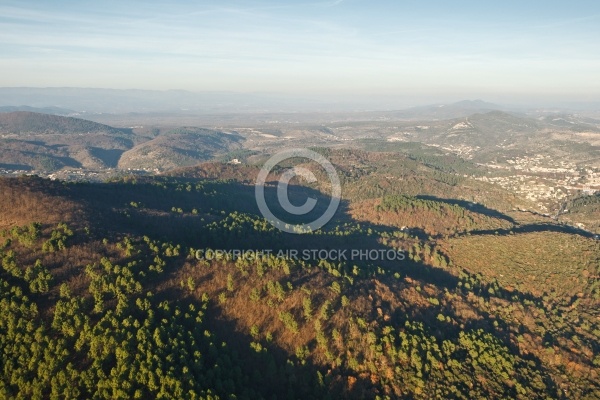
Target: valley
[544,161]
[462,262]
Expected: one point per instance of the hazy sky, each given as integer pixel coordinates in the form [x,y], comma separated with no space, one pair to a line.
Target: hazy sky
[343,47]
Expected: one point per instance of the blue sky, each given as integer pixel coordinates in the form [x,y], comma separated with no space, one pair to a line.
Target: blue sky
[431,49]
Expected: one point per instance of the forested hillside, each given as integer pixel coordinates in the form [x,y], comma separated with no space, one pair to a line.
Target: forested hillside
[111,291]
[25,122]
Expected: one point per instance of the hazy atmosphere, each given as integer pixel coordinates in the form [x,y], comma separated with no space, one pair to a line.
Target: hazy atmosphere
[338,199]
[407,52]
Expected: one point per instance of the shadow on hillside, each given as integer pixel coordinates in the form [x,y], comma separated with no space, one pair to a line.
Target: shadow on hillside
[474,207]
[152,215]
[531,228]
[270,373]
[16,167]
[110,157]
[113,214]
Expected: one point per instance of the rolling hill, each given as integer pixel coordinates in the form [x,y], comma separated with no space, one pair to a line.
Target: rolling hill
[25,122]
[42,142]
[180,147]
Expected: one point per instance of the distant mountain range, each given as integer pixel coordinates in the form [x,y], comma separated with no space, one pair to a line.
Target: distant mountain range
[90,101]
[43,110]
[69,100]
[446,111]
